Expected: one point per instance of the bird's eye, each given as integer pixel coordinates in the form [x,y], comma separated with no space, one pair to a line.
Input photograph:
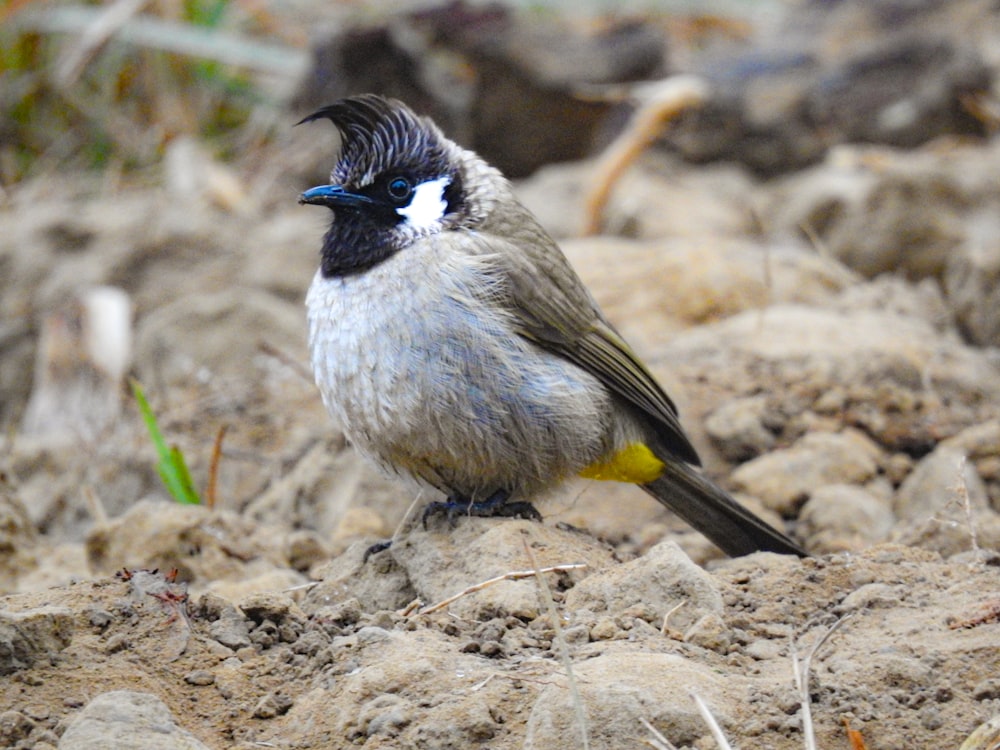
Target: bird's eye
[399,188]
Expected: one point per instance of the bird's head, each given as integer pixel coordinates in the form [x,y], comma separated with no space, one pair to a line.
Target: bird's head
[398,179]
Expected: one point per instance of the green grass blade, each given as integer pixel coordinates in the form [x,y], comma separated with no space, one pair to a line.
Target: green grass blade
[171,467]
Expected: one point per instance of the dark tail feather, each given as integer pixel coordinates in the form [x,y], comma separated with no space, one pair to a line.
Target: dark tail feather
[710,510]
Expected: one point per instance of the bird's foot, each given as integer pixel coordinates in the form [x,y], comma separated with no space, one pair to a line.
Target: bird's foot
[493,506]
[376,548]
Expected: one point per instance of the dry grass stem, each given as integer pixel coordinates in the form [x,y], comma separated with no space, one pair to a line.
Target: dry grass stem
[713,725]
[664,628]
[560,641]
[513,575]
[800,673]
[657,741]
[962,490]
[659,104]
[213,467]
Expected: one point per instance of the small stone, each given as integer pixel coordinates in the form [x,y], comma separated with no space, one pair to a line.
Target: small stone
[872,596]
[37,712]
[491,648]
[269,605]
[15,726]
[764,649]
[33,635]
[840,517]
[99,618]
[199,677]
[305,549]
[127,720]
[988,689]
[897,467]
[943,476]
[117,643]
[577,634]
[275,704]
[604,630]
[737,428]
[658,580]
[784,479]
[710,632]
[231,630]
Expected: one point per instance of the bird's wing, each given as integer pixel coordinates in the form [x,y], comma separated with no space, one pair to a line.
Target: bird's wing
[552,308]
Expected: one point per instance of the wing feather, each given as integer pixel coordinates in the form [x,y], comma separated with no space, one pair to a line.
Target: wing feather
[554,310]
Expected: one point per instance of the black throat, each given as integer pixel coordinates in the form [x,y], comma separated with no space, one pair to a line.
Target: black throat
[353,244]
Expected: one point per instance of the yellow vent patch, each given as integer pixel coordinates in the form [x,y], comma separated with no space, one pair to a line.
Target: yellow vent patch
[635,463]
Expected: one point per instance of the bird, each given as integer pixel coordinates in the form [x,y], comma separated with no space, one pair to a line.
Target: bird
[457,348]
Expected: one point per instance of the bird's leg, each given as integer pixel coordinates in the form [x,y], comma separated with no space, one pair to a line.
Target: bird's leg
[494,505]
[376,548]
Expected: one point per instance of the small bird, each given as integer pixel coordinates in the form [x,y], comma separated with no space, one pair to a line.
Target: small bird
[458,349]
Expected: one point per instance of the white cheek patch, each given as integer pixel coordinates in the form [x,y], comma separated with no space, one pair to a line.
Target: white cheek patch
[428,204]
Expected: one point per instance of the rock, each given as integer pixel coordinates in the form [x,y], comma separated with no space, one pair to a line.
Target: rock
[653,289]
[710,632]
[738,428]
[617,691]
[659,197]
[32,636]
[273,704]
[944,506]
[661,579]
[382,700]
[863,203]
[200,677]
[944,478]
[784,479]
[844,517]
[904,382]
[275,606]
[981,444]
[972,278]
[480,549]
[979,441]
[15,727]
[819,75]
[872,596]
[127,720]
[380,582]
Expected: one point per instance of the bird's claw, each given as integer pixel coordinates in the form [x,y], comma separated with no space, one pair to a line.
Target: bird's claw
[495,505]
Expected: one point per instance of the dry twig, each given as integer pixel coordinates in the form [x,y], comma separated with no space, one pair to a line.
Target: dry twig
[800,672]
[513,575]
[660,103]
[560,641]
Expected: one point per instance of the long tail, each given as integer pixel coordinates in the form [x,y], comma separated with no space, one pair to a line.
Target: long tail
[711,510]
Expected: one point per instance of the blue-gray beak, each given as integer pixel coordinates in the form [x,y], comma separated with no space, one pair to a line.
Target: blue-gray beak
[334,196]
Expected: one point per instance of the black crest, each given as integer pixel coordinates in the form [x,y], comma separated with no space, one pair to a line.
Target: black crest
[379,134]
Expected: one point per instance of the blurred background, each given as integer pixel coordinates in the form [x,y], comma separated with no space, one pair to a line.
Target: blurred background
[790,208]
[831,163]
